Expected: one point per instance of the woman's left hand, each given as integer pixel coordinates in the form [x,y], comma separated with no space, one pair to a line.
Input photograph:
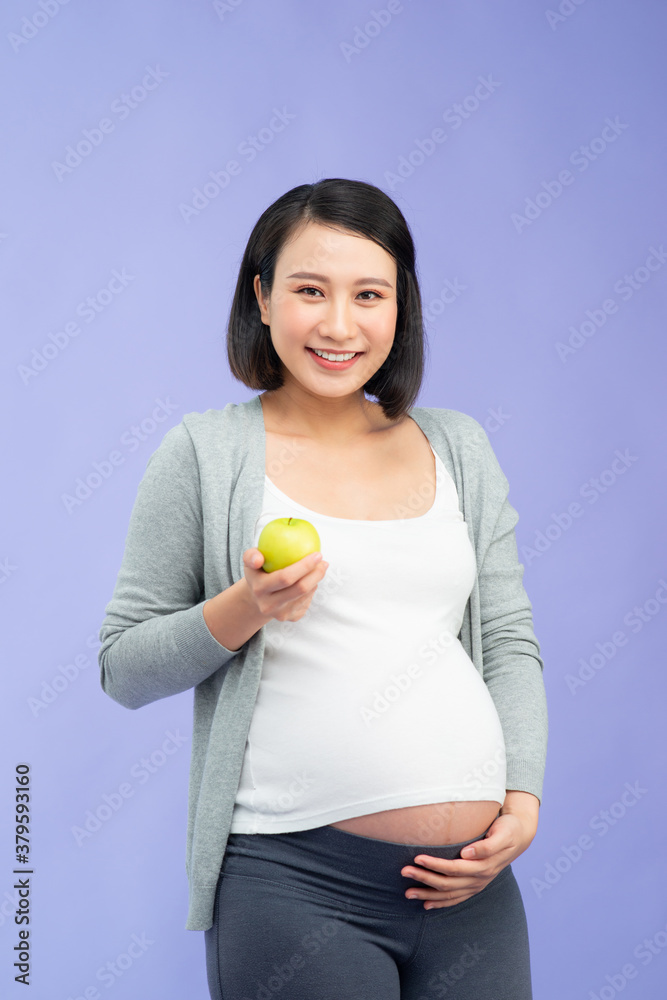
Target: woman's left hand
[510,834]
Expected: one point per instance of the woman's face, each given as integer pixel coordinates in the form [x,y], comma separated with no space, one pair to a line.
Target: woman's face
[333,291]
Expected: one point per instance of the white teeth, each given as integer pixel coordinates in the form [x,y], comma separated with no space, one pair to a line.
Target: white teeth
[334,357]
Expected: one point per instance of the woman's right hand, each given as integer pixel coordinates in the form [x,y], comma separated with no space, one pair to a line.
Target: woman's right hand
[286,593]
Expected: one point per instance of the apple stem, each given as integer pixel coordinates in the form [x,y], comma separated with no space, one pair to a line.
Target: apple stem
[288,520]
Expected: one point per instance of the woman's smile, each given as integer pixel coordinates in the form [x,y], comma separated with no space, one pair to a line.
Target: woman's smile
[347,359]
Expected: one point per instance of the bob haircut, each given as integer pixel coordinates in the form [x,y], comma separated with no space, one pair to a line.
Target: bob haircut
[339,204]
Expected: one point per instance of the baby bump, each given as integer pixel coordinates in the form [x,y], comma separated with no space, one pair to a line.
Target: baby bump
[437,823]
[446,735]
[373,748]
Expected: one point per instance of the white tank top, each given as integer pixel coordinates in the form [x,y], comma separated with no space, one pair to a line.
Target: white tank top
[370,702]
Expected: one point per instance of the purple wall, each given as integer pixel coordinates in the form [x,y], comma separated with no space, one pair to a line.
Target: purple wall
[538,209]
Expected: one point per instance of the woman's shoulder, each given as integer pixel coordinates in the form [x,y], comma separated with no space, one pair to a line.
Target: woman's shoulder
[200,435]
[458,425]
[466,439]
[221,424]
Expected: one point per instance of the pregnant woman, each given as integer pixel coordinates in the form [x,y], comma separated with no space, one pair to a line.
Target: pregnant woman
[370,723]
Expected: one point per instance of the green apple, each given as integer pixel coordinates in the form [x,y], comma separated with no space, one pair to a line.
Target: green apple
[285,541]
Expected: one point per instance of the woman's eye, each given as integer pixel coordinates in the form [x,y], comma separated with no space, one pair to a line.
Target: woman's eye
[309,288]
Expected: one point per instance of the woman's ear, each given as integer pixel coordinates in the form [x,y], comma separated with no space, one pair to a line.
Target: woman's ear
[263,308]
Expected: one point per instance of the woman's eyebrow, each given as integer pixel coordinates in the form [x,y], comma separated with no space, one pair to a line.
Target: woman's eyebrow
[322,277]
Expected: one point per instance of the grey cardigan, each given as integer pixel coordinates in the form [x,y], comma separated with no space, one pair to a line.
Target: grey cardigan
[194,516]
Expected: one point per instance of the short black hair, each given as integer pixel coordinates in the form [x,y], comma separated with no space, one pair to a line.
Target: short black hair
[340,204]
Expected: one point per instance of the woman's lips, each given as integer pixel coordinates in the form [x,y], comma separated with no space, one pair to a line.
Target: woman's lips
[333,365]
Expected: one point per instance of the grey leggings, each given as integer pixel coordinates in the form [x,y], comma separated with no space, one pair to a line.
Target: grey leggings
[322,915]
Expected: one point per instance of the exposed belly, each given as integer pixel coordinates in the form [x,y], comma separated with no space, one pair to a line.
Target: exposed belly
[437,823]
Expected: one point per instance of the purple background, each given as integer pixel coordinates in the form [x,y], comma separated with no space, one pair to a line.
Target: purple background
[220,73]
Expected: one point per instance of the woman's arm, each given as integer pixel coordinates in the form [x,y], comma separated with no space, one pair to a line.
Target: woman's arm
[155,640]
[525,805]
[513,668]
[232,617]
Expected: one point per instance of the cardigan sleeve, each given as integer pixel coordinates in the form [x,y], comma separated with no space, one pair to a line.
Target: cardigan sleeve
[155,641]
[512,665]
